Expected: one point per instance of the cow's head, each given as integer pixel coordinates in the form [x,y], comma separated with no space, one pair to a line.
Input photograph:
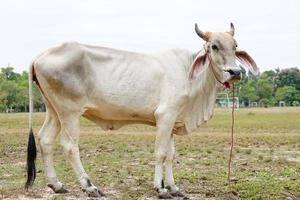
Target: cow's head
[220,52]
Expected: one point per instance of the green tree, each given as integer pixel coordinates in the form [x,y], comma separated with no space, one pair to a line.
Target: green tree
[9,73]
[2,77]
[264,89]
[14,91]
[8,89]
[287,94]
[22,99]
[289,77]
[247,92]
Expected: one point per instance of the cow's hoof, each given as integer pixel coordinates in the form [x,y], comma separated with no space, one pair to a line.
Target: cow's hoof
[93,192]
[61,190]
[164,194]
[175,192]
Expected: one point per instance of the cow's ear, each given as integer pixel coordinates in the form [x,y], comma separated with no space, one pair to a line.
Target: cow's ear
[200,63]
[244,58]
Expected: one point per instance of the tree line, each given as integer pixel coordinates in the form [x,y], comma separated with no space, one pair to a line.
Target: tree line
[14,92]
[267,89]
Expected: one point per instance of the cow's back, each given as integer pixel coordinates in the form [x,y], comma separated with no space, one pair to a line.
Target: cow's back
[113,84]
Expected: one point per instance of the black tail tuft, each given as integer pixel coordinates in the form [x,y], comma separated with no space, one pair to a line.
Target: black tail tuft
[31,156]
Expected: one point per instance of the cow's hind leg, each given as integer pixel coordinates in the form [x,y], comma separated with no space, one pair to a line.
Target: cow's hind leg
[70,132]
[47,135]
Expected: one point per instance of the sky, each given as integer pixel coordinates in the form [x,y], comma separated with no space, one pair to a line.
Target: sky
[269,30]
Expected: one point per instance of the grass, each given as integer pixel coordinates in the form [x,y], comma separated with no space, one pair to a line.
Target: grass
[266,160]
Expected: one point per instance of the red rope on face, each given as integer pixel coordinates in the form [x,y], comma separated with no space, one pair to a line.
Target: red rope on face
[232,126]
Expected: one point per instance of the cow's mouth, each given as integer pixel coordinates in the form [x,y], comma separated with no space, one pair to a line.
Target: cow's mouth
[235,78]
[226,85]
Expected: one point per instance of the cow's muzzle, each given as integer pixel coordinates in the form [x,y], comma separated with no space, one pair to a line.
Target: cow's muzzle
[235,75]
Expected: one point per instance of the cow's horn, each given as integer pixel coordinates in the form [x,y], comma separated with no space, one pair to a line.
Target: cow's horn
[203,35]
[231,32]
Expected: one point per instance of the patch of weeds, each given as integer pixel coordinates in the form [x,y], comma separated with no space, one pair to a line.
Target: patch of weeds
[268,159]
[251,113]
[209,151]
[248,151]
[290,172]
[58,197]
[281,161]
[189,175]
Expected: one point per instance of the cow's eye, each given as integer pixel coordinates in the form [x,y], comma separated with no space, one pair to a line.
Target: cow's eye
[234,47]
[214,47]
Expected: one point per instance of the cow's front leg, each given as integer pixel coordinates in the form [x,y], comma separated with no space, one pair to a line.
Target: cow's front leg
[170,183]
[165,123]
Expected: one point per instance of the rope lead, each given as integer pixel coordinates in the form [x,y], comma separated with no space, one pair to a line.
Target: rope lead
[232,126]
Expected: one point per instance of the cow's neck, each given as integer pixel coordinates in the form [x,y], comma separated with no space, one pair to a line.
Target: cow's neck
[202,98]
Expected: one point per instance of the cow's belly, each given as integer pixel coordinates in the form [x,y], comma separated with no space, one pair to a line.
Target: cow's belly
[121,103]
[126,102]
[113,110]
[112,117]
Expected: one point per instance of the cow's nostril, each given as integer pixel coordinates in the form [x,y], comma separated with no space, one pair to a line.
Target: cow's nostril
[237,73]
[234,72]
[231,72]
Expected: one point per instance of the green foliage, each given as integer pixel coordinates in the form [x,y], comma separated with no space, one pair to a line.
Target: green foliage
[289,77]
[9,74]
[14,91]
[248,93]
[288,94]
[265,103]
[270,87]
[264,89]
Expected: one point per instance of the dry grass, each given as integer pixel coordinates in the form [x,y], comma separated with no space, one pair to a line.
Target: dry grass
[266,162]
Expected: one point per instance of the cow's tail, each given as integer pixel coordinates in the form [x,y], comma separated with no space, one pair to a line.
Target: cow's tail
[31,147]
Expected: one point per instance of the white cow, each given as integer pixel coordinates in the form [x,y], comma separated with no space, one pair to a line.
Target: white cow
[174,90]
